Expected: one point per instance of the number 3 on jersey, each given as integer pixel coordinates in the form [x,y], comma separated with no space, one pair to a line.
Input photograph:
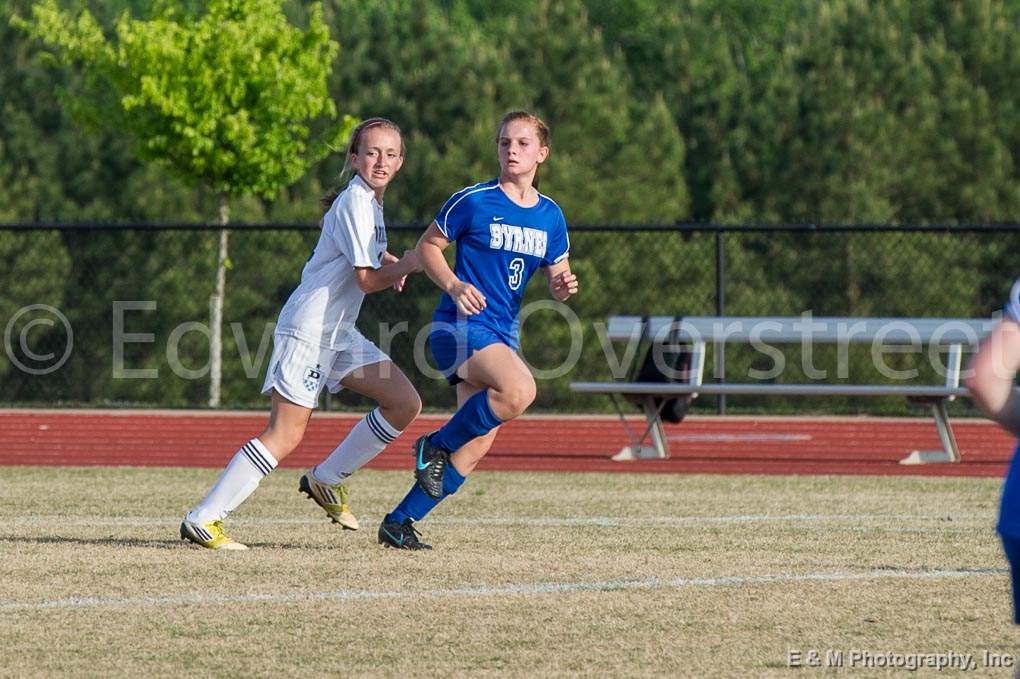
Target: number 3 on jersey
[516,273]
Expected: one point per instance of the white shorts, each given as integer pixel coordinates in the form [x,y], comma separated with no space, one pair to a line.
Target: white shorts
[298,370]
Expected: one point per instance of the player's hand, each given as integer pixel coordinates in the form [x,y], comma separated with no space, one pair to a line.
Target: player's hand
[411,259]
[390,258]
[412,263]
[563,286]
[467,297]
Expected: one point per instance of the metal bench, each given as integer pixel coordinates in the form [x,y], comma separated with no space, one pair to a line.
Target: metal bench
[953,335]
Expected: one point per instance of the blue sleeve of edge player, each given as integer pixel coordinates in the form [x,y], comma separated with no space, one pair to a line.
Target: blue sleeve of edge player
[1012,308]
[455,215]
[559,242]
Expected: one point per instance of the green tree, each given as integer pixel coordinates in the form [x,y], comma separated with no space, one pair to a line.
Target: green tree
[714,63]
[617,157]
[883,125]
[224,98]
[442,79]
[35,265]
[447,73]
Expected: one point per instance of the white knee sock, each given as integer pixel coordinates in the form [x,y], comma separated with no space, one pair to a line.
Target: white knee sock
[239,480]
[366,440]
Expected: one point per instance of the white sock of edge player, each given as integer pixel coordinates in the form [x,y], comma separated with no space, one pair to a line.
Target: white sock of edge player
[249,466]
[366,440]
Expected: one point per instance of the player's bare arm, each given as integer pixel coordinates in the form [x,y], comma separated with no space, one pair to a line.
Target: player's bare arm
[389,274]
[468,298]
[993,370]
[562,282]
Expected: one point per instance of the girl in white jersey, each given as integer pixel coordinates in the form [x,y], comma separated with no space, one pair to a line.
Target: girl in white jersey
[316,345]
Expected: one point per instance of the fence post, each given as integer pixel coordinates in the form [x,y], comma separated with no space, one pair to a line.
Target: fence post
[719,352]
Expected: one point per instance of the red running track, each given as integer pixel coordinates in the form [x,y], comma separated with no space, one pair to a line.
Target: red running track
[703,445]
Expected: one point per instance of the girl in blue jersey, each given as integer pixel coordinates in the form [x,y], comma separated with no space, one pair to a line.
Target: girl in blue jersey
[505,230]
[992,386]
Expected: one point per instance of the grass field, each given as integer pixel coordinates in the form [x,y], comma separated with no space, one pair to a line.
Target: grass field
[532,574]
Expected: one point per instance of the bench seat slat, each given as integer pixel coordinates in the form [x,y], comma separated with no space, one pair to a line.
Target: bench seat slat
[793,329]
[766,389]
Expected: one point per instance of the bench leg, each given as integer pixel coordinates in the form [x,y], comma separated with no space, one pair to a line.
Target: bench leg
[659,450]
[950,451]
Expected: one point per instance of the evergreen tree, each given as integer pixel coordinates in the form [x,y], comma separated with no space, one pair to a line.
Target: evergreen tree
[617,156]
[435,74]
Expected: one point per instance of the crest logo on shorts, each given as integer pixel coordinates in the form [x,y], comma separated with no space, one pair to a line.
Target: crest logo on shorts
[312,377]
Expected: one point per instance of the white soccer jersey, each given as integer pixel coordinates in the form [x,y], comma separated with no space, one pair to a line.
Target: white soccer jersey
[325,305]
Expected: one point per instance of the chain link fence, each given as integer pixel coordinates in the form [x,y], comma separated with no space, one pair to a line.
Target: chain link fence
[118,316]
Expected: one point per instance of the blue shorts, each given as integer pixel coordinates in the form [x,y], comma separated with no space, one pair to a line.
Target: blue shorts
[452,343]
[1012,548]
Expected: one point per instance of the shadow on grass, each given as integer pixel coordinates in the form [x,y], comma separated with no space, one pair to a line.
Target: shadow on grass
[98,542]
[287,545]
[138,542]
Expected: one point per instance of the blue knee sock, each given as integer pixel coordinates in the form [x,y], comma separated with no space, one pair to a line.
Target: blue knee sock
[475,418]
[417,503]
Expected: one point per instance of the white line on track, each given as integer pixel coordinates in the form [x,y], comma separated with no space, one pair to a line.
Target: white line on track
[734,438]
[491,591]
[601,521]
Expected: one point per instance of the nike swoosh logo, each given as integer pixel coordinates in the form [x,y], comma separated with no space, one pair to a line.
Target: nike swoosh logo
[393,537]
[498,219]
[421,465]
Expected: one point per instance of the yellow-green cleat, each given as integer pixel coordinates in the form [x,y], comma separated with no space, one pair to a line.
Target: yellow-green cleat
[209,535]
[332,498]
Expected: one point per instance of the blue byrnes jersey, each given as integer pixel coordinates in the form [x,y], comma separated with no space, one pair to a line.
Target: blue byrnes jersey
[500,245]
[1009,509]
[1012,308]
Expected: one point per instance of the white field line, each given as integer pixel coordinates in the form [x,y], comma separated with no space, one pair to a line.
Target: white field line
[610,522]
[600,521]
[983,531]
[524,589]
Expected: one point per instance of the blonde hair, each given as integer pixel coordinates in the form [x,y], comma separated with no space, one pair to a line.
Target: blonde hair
[540,128]
[354,145]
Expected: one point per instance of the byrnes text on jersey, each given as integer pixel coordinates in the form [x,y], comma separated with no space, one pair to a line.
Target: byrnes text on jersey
[521,239]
